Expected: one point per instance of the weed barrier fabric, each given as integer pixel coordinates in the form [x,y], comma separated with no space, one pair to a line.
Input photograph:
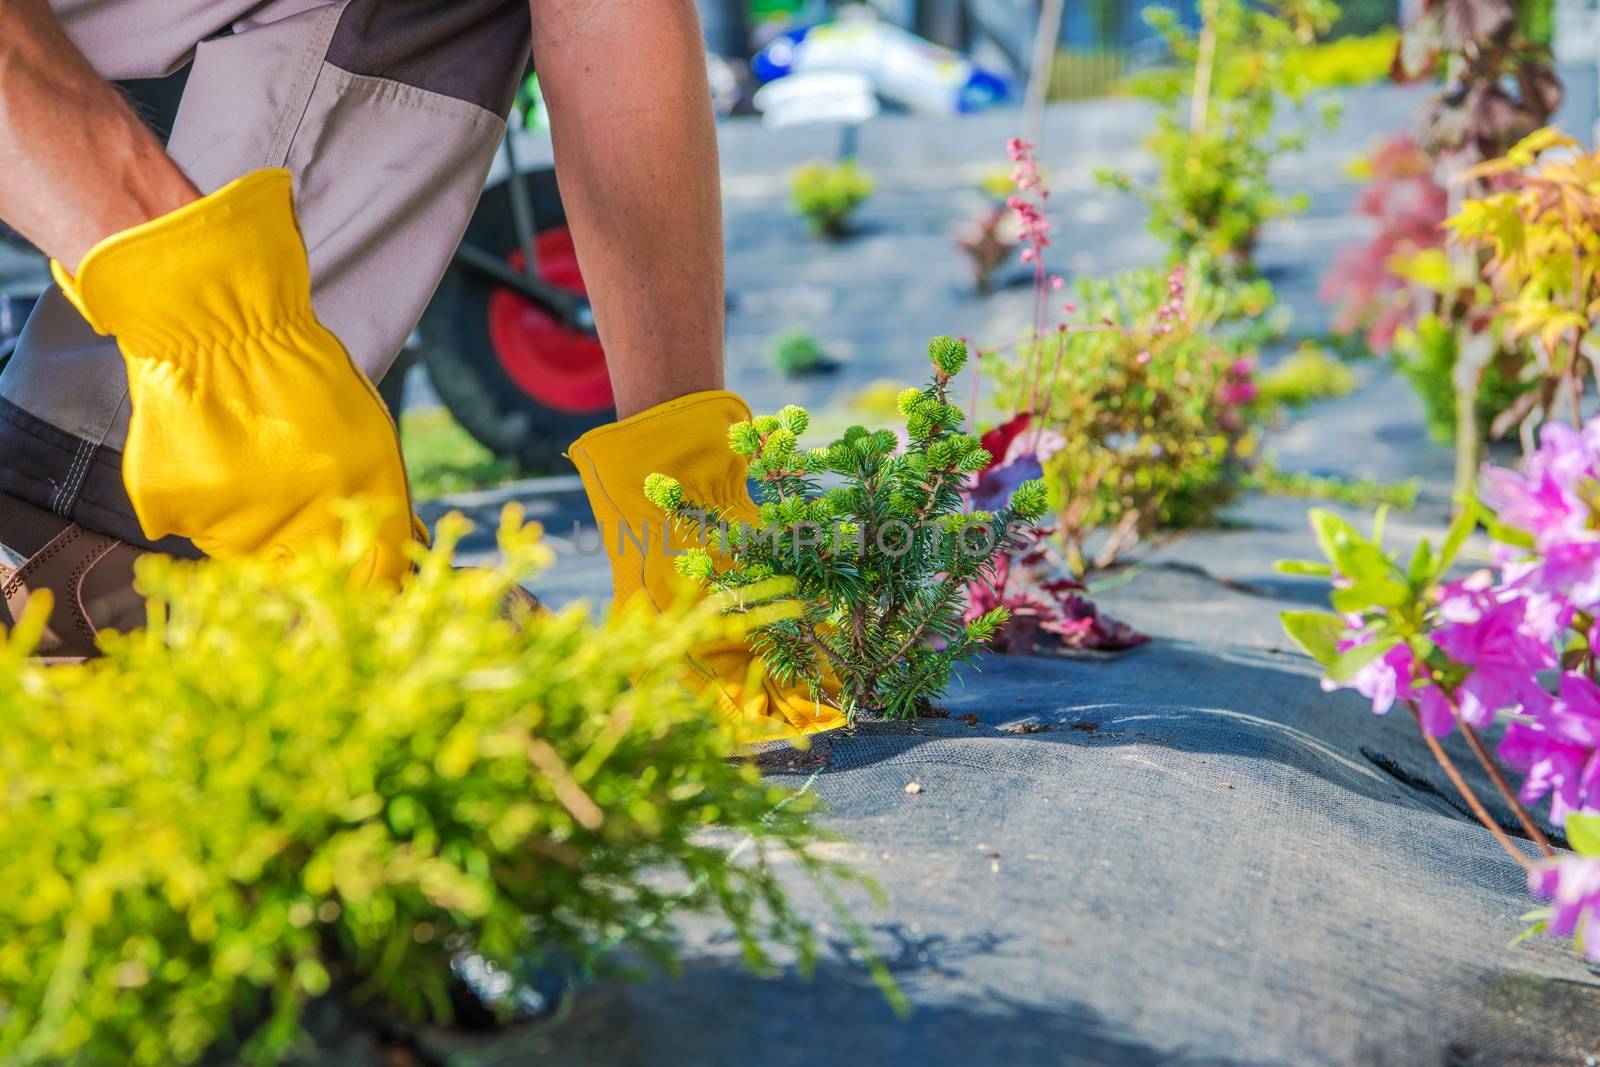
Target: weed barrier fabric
[1183,854]
[1187,854]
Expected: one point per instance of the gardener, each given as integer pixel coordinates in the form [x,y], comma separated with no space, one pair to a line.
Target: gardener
[176,392]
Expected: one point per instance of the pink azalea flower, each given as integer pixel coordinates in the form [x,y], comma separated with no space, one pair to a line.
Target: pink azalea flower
[1536,502]
[1489,632]
[1572,885]
[1434,712]
[1382,680]
[1557,751]
[1394,676]
[1546,498]
[1571,570]
[1547,616]
[1554,587]
[1567,455]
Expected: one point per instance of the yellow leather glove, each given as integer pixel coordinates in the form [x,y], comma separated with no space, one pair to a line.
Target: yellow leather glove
[686,438]
[249,421]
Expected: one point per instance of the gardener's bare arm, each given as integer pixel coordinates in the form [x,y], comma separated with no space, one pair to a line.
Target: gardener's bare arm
[635,143]
[76,165]
[636,157]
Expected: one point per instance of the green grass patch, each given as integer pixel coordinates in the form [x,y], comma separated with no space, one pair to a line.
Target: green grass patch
[443,458]
[1356,492]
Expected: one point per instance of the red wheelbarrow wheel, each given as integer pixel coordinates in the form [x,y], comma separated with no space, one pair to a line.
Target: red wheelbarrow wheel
[518,379]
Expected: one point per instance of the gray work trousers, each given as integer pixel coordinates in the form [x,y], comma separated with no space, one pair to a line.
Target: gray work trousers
[388,113]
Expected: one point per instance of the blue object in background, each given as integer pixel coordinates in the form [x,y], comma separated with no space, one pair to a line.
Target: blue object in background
[901,67]
[776,60]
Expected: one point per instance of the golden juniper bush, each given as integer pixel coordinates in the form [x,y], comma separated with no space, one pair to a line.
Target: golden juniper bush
[286,786]
[880,560]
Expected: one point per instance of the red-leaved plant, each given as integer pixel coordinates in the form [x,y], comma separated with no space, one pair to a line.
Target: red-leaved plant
[1495,86]
[1046,606]
[1409,206]
[989,244]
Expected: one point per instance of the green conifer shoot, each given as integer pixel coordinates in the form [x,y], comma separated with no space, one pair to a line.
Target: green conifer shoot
[875,539]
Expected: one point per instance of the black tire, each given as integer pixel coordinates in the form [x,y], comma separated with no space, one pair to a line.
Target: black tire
[392,390]
[460,358]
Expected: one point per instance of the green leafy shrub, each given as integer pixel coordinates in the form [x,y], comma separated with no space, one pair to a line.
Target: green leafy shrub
[1426,356]
[1340,63]
[879,561]
[826,195]
[1310,374]
[286,787]
[1215,137]
[797,354]
[1358,17]
[1149,404]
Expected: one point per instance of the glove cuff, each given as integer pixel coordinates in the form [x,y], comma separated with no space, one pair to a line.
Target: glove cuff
[214,273]
[686,438]
[688,414]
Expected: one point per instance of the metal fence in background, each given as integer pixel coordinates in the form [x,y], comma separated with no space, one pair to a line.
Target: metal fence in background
[1080,73]
[1101,41]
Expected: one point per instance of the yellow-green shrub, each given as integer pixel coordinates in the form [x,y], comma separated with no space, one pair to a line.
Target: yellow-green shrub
[285,787]
[1309,374]
[826,195]
[1345,61]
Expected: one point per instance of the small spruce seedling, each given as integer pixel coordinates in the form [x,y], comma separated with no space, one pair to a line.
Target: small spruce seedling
[879,558]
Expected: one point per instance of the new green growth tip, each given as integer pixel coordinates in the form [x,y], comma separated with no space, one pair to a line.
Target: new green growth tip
[949,354]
